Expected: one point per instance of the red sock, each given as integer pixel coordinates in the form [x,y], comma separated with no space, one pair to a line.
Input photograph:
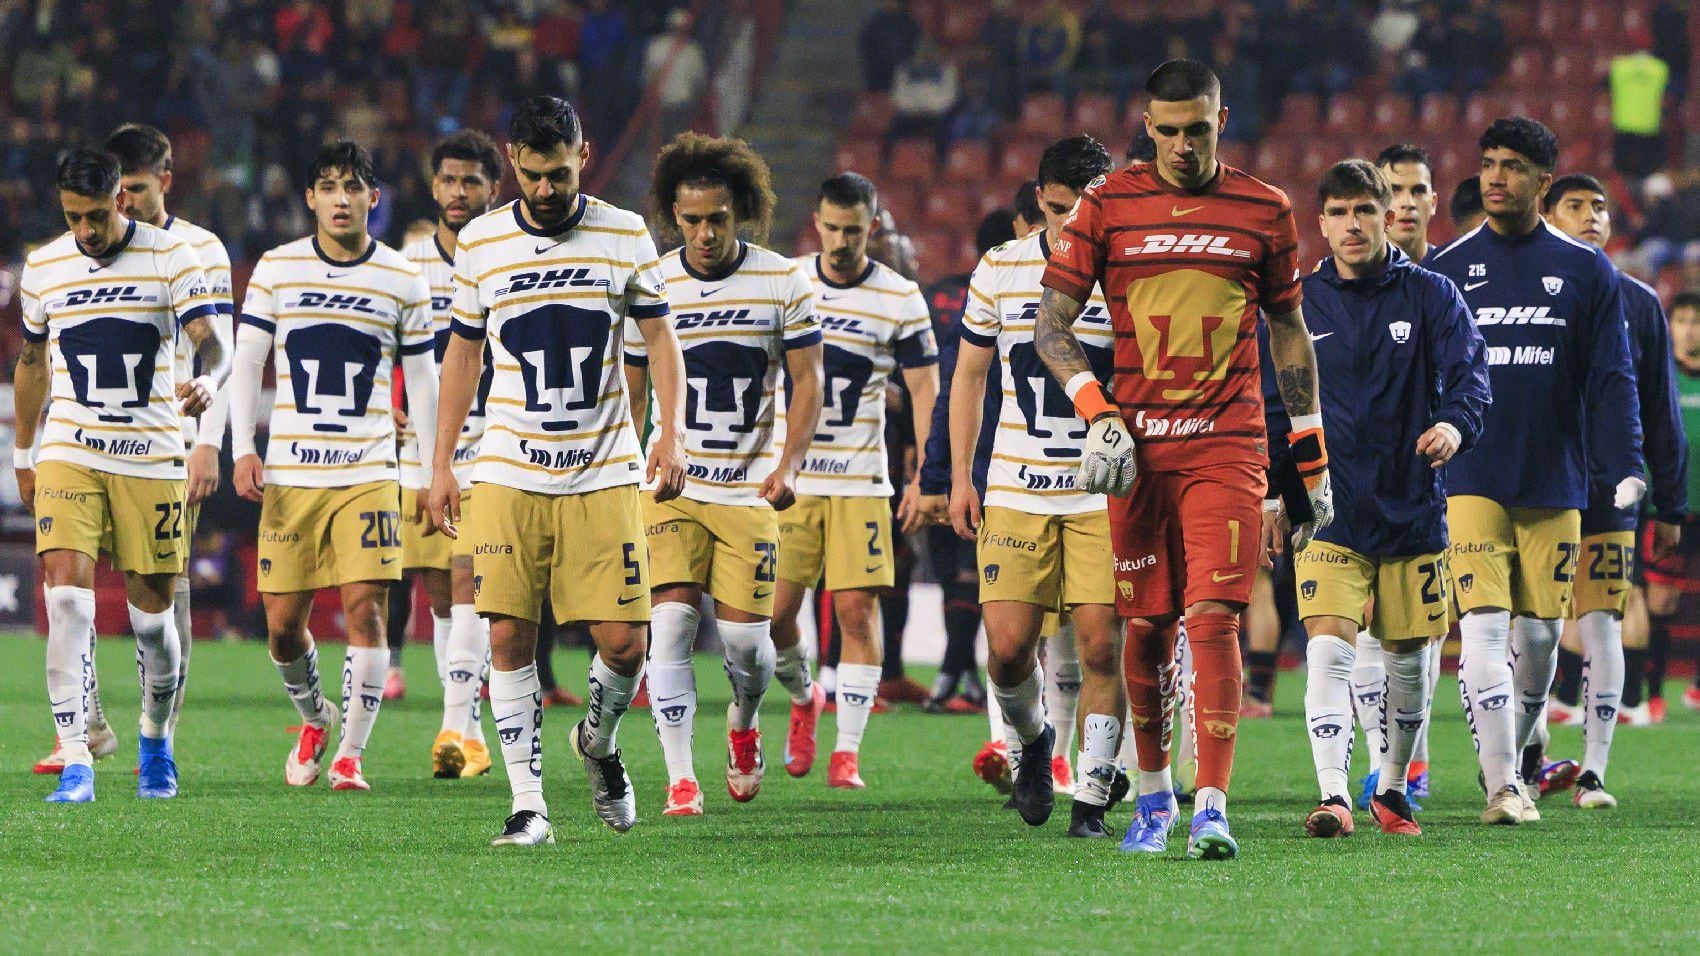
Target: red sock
[1215,643]
[1148,666]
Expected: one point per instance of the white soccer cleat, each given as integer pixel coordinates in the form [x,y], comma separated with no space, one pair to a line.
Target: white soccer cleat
[525,828]
[103,741]
[306,755]
[610,787]
[744,764]
[684,799]
[1504,808]
[346,775]
[1531,813]
[1591,793]
[1640,715]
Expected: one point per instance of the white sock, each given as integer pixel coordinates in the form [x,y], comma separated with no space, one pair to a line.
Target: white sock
[362,691]
[301,683]
[440,643]
[1484,685]
[1534,661]
[1062,686]
[185,641]
[516,701]
[462,664]
[1099,737]
[1328,712]
[1369,693]
[157,658]
[857,684]
[791,669]
[1023,707]
[996,727]
[749,666]
[1602,686]
[1406,712]
[1180,712]
[70,668]
[610,695]
[673,684]
[475,725]
[828,678]
[1431,674]
[1128,755]
[1210,798]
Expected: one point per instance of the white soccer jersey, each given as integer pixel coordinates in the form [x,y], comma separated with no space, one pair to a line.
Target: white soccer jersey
[870,327]
[111,324]
[215,263]
[438,265]
[1039,435]
[733,329]
[552,303]
[338,329]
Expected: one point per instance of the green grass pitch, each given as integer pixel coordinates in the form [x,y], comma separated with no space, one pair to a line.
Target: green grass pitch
[923,859]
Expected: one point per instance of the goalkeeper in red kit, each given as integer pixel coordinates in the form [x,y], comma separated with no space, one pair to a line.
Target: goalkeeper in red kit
[1187,251]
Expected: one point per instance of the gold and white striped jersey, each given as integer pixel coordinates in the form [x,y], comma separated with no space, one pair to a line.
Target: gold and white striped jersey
[438,265]
[337,330]
[111,325]
[552,303]
[734,329]
[215,263]
[869,327]
[1039,435]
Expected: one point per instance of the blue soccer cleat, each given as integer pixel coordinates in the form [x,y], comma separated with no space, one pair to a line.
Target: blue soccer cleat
[1210,839]
[156,775]
[76,785]
[1372,786]
[1417,786]
[1154,815]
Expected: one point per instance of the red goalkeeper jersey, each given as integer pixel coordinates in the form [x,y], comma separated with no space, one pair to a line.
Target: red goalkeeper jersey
[1184,273]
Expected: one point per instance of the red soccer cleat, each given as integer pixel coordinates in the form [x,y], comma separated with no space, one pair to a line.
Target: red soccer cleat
[1331,819]
[1656,709]
[841,771]
[1062,775]
[395,684]
[800,741]
[345,775]
[744,767]
[52,763]
[1393,814]
[1691,698]
[991,764]
[684,799]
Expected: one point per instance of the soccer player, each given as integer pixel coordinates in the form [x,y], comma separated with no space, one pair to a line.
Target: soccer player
[1188,251]
[336,311]
[1465,208]
[1550,309]
[1666,578]
[466,173]
[873,321]
[742,313]
[1410,174]
[1576,205]
[102,307]
[1044,546]
[548,281]
[144,158]
[1404,383]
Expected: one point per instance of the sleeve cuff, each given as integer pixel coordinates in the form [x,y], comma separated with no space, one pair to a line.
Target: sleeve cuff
[466,331]
[264,325]
[637,361]
[418,348]
[198,312]
[811,337]
[656,311]
[981,339]
[35,337]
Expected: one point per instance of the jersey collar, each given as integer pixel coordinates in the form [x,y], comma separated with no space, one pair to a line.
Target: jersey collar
[116,250]
[737,263]
[853,283]
[371,247]
[169,219]
[438,242]
[562,229]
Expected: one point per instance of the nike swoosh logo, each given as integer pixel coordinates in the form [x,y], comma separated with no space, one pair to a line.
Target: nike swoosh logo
[830,298]
[625,601]
[872,569]
[1472,286]
[544,248]
[161,557]
[1219,577]
[94,268]
[762,596]
[1317,338]
[1437,615]
[1614,592]
[1178,211]
[337,275]
[708,292]
[386,560]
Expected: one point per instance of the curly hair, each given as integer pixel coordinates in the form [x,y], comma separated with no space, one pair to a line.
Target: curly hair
[692,159]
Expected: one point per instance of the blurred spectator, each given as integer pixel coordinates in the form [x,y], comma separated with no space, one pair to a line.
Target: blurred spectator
[1331,46]
[555,39]
[677,52]
[1050,41]
[1669,23]
[304,32]
[922,93]
[441,68]
[999,50]
[1638,80]
[974,117]
[888,39]
[604,34]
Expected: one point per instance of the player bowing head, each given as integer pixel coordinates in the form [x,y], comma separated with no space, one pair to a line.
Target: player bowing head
[547,150]
[1184,118]
[743,314]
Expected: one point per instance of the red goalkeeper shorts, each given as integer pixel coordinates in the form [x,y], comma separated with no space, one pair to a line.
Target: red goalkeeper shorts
[1181,537]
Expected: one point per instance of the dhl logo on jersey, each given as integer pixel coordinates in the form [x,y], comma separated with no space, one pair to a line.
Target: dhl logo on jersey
[1092,315]
[101,295]
[335,301]
[720,318]
[1517,315]
[838,323]
[552,279]
[1201,243]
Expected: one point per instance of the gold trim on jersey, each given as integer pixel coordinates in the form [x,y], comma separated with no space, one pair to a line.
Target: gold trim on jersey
[485,455]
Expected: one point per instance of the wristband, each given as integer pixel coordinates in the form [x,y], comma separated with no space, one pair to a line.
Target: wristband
[1310,453]
[23,459]
[1088,397]
[1452,430]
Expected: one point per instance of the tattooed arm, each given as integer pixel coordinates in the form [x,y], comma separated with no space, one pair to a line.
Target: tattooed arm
[1295,362]
[1053,336]
[30,380]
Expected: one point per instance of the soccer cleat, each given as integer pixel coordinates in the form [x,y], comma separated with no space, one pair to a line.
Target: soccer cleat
[1656,709]
[684,799]
[346,775]
[800,740]
[395,684]
[842,772]
[610,788]
[906,690]
[1560,714]
[76,785]
[1417,785]
[301,769]
[448,756]
[103,743]
[1186,777]
[1591,793]
[1210,839]
[1557,777]
[1062,775]
[1034,796]
[1637,716]
[744,766]
[1367,791]
[1087,820]
[52,763]
[1531,813]
[1120,785]
[1253,709]
[525,828]
[1534,758]
[1394,814]
[1691,698]
[156,777]
[1154,815]
[477,758]
[1331,818]
[1504,808]
[561,697]
[991,764]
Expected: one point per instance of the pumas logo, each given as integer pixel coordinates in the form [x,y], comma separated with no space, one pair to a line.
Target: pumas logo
[1605,712]
[991,573]
[1552,284]
[1126,589]
[1325,731]
[1496,702]
[45,525]
[1533,706]
[673,713]
[1401,331]
[1307,590]
[477,584]
[265,565]
[460,676]
[1518,315]
[854,700]
[1189,243]
[1408,724]
[370,702]
[509,735]
[1370,699]
[1465,581]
